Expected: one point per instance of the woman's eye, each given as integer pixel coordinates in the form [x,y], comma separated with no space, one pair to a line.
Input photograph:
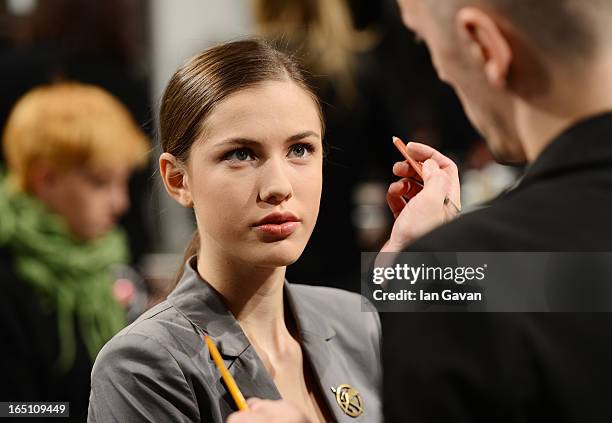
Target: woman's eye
[301,150]
[240,155]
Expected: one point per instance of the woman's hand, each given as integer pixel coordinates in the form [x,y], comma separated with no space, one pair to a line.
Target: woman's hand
[266,411]
[418,210]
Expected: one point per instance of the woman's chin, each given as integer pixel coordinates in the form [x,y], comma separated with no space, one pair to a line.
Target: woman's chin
[276,257]
[276,260]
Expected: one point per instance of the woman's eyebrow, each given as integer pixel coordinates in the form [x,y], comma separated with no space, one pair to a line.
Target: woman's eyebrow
[251,142]
[237,141]
[303,135]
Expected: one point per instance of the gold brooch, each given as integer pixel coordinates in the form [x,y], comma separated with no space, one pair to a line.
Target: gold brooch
[349,400]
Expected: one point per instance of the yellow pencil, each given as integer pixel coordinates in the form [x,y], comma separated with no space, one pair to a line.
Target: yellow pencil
[226,375]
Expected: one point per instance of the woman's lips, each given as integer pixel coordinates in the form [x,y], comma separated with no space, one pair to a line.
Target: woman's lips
[278,229]
[278,224]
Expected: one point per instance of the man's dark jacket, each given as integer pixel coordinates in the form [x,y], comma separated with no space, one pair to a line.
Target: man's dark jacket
[515,367]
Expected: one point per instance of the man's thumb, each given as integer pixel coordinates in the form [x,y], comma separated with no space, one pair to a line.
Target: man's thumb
[437,183]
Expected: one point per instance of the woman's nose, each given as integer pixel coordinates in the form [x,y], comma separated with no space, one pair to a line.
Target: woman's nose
[275,185]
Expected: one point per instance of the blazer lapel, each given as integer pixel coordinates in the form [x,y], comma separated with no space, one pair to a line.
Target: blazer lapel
[207,312]
[318,342]
[252,377]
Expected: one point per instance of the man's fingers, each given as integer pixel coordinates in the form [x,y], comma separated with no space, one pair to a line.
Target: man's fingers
[254,402]
[415,188]
[400,188]
[267,411]
[437,183]
[404,170]
[242,417]
[423,152]
[395,198]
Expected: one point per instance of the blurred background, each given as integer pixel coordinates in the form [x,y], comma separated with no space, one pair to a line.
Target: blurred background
[374,79]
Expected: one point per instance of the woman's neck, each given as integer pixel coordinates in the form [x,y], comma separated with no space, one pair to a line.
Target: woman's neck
[254,295]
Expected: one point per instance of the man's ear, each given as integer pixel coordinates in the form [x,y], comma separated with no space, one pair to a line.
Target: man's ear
[175,179]
[487,44]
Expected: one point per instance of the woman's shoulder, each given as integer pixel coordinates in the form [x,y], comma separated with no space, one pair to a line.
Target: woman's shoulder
[145,368]
[162,327]
[151,322]
[325,292]
[346,313]
[339,300]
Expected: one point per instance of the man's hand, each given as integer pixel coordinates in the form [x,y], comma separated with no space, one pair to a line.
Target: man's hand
[265,411]
[419,210]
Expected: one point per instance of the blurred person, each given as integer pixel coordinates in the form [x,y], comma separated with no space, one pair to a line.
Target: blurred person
[322,34]
[242,136]
[533,77]
[98,43]
[70,149]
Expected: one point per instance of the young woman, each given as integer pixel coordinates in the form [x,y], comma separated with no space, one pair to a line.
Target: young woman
[242,137]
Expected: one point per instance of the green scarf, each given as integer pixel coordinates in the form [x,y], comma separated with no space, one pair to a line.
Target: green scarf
[73,278]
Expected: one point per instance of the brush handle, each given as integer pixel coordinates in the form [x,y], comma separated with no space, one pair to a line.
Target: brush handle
[418,167]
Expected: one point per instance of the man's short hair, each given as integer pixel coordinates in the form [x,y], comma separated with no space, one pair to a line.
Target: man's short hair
[69,125]
[568,29]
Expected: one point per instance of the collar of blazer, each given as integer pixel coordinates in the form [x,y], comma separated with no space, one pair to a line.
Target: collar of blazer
[202,305]
[585,145]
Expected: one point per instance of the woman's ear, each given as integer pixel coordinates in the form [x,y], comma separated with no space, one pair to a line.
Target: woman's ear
[175,179]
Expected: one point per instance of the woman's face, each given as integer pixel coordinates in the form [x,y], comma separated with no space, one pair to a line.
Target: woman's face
[255,175]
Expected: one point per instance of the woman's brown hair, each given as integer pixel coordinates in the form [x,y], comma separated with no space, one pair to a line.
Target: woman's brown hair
[206,80]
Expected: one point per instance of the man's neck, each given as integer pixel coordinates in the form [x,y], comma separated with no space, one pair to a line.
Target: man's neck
[576,96]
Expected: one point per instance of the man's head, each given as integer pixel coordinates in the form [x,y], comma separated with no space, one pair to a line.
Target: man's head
[73,147]
[500,54]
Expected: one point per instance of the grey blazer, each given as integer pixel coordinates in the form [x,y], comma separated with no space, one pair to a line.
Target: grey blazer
[158,369]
